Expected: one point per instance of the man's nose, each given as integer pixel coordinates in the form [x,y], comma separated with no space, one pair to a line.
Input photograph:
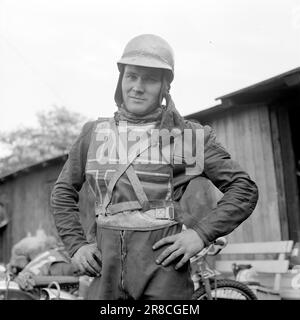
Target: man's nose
[138,85]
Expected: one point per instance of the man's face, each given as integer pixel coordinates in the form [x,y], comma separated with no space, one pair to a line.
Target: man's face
[141,89]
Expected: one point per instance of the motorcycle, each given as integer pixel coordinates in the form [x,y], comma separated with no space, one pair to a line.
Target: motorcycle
[44,288]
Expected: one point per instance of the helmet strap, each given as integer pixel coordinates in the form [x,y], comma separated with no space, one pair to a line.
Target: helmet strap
[118,92]
[170,117]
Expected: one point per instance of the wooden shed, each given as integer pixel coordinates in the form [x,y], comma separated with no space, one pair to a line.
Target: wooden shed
[25,200]
[258,125]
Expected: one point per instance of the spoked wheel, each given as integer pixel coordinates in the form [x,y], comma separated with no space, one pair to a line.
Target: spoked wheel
[226,289]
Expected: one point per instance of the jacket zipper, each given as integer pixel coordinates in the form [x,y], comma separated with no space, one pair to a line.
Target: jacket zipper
[123,257]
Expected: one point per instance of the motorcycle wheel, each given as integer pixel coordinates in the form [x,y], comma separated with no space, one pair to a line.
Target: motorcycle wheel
[226,289]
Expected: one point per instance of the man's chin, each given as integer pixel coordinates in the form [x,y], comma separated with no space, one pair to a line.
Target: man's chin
[139,110]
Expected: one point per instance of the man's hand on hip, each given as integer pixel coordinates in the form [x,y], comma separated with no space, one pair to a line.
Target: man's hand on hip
[186,243]
[87,259]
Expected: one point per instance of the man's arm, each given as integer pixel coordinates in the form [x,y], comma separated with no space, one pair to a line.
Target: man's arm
[65,197]
[240,193]
[86,256]
[238,202]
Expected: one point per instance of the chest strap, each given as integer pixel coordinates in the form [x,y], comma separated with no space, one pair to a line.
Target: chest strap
[132,176]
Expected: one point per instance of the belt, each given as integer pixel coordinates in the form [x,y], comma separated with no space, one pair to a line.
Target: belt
[166,212]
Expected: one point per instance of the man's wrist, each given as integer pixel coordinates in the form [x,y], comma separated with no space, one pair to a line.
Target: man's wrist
[76,248]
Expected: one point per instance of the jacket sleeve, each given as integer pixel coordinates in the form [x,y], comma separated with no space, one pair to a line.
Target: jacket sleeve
[240,193]
[65,193]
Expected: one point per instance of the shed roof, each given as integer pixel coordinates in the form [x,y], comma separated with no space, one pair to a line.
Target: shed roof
[41,164]
[275,85]
[261,92]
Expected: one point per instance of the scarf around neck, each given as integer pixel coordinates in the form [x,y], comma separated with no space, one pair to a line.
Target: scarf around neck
[166,117]
[124,115]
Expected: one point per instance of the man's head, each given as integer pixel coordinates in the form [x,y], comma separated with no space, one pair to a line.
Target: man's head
[146,71]
[141,88]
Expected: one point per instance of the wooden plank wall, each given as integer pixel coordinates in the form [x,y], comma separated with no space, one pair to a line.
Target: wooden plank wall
[245,132]
[5,232]
[27,198]
[289,165]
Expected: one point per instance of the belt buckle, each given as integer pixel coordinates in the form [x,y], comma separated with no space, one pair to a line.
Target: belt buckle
[160,213]
[170,211]
[166,213]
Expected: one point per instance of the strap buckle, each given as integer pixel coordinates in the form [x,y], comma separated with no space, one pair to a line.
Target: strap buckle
[165,213]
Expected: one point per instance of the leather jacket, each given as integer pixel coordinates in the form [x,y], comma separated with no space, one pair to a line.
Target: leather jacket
[240,193]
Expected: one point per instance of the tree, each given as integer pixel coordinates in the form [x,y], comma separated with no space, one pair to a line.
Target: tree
[56,131]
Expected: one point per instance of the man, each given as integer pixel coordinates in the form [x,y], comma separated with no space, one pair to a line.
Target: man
[138,164]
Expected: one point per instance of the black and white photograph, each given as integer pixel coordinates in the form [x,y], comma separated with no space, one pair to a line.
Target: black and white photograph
[148,152]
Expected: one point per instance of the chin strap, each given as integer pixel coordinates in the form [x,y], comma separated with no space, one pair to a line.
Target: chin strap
[170,116]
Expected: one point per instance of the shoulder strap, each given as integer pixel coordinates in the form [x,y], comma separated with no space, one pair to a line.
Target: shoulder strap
[133,178]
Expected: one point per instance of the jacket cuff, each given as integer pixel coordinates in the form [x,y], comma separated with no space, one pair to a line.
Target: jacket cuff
[74,248]
[191,223]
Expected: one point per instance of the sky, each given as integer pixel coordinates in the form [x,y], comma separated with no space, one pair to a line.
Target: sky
[64,52]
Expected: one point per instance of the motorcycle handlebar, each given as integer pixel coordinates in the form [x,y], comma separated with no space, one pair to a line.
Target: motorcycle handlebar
[46,280]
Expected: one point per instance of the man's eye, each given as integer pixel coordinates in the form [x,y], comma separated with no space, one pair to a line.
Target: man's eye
[131,76]
[151,79]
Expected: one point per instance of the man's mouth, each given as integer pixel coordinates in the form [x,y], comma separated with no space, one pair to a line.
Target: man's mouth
[137,99]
